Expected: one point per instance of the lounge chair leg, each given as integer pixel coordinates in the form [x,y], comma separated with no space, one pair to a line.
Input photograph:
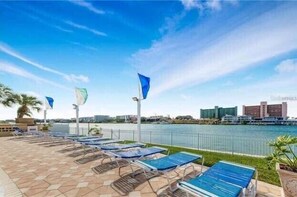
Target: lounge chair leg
[151,186]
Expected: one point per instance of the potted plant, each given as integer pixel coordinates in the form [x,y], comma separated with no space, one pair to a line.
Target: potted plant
[286,163]
[45,127]
[96,131]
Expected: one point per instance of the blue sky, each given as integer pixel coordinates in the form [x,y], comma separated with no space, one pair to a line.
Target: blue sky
[198,54]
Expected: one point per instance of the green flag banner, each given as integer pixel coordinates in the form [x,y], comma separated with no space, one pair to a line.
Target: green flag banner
[81,95]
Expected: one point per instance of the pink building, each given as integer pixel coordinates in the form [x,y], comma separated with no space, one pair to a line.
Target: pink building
[264,110]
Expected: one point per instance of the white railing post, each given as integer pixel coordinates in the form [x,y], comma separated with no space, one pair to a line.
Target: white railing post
[119,134]
[198,143]
[133,135]
[232,138]
[170,138]
[150,137]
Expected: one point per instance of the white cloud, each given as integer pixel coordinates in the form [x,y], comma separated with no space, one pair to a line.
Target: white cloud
[39,18]
[190,4]
[87,5]
[61,28]
[14,70]
[214,4]
[208,4]
[185,97]
[72,78]
[78,26]
[193,56]
[77,78]
[85,46]
[287,66]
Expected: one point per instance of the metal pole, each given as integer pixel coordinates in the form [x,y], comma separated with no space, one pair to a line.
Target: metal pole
[139,119]
[232,144]
[77,120]
[198,142]
[44,121]
[170,138]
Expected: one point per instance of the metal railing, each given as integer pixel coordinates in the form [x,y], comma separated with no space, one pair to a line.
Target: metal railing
[219,143]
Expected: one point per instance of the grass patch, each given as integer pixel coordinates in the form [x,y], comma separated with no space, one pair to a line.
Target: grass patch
[210,158]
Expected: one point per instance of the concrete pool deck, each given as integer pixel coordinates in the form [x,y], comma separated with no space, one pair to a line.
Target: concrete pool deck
[31,169]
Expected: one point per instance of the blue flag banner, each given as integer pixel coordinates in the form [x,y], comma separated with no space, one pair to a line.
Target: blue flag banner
[81,95]
[144,85]
[49,102]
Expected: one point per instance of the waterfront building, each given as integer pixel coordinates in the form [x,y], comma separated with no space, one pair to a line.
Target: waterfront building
[230,119]
[237,119]
[101,118]
[126,118]
[86,119]
[218,112]
[244,118]
[187,117]
[264,110]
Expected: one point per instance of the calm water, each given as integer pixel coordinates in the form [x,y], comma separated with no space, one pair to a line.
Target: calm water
[235,130]
[244,139]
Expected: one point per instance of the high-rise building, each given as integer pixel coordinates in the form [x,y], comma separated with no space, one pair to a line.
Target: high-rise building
[264,110]
[218,112]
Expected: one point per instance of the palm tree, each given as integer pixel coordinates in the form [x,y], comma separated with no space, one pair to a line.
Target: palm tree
[7,97]
[27,103]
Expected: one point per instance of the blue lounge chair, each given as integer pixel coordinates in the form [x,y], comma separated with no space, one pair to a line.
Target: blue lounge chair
[92,139]
[17,132]
[114,147]
[132,155]
[99,142]
[83,139]
[163,165]
[74,138]
[94,144]
[223,179]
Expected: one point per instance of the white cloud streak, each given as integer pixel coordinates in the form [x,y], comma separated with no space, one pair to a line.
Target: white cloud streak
[14,70]
[287,66]
[208,4]
[194,56]
[88,6]
[84,46]
[70,77]
[39,18]
[78,26]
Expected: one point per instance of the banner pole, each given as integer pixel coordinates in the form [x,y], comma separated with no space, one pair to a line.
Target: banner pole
[44,121]
[139,113]
[139,119]
[77,120]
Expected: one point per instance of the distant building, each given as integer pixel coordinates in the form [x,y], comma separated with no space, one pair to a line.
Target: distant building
[187,117]
[86,119]
[101,118]
[154,118]
[263,110]
[126,118]
[237,119]
[230,118]
[218,112]
[245,118]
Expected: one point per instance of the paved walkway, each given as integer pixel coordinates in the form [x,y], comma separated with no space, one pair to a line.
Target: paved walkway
[31,169]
